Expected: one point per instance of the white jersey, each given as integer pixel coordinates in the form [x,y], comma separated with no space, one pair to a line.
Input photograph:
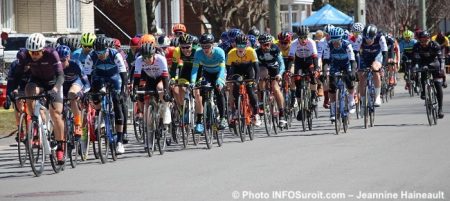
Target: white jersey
[356,42]
[303,51]
[154,70]
[321,46]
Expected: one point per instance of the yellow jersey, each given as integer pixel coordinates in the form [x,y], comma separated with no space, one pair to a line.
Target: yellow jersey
[249,57]
[445,42]
[284,52]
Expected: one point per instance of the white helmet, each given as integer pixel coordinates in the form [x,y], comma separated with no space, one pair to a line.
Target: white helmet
[357,27]
[35,42]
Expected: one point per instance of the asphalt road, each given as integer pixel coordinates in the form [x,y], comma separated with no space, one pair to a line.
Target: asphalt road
[401,156]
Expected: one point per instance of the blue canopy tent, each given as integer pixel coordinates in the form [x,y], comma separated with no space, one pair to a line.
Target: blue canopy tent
[326,15]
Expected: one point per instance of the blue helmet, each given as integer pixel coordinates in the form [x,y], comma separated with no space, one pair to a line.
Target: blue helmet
[233,33]
[346,35]
[252,40]
[336,33]
[224,36]
[63,51]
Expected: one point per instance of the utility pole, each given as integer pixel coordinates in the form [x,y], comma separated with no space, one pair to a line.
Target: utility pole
[274,17]
[422,15]
[140,15]
[360,13]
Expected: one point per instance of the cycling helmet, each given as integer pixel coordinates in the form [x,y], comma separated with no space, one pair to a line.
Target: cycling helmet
[35,42]
[327,28]
[242,39]
[148,49]
[424,34]
[74,42]
[337,33]
[163,41]
[147,38]
[284,36]
[254,31]
[207,38]
[63,51]
[224,36]
[87,39]
[134,42]
[346,35]
[195,40]
[303,31]
[185,39]
[265,38]
[357,27]
[370,31]
[408,34]
[179,28]
[63,40]
[252,40]
[175,42]
[233,33]
[101,43]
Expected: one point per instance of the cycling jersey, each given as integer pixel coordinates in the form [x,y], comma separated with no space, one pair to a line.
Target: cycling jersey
[321,46]
[14,83]
[303,51]
[373,52]
[248,57]
[183,64]
[407,46]
[271,59]
[79,55]
[73,71]
[214,64]
[154,70]
[428,54]
[442,41]
[48,70]
[113,64]
[356,42]
[284,51]
[339,57]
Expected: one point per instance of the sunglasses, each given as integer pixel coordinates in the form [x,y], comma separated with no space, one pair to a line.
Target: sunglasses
[35,53]
[303,37]
[86,46]
[185,47]
[265,44]
[335,40]
[179,33]
[206,46]
[241,45]
[100,52]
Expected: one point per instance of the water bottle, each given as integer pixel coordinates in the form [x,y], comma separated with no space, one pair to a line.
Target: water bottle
[167,119]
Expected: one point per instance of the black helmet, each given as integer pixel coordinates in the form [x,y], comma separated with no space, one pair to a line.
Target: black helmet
[254,31]
[63,40]
[174,42]
[303,31]
[370,31]
[424,34]
[206,38]
[74,42]
[101,43]
[242,39]
[265,38]
[148,49]
[186,39]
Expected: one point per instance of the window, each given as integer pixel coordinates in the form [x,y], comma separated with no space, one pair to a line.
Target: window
[73,15]
[7,14]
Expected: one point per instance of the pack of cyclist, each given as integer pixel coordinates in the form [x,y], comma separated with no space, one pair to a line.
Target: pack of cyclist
[173,66]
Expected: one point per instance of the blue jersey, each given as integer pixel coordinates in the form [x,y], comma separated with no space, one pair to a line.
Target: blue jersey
[370,52]
[407,46]
[73,71]
[112,65]
[339,57]
[79,55]
[213,64]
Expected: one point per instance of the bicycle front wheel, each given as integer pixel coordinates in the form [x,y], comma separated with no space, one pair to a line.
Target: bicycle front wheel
[22,145]
[102,139]
[337,113]
[267,116]
[35,149]
[208,123]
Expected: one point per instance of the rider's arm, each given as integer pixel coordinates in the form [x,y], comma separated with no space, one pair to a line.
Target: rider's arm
[88,63]
[281,62]
[384,50]
[137,71]
[120,63]
[59,72]
[255,65]
[12,83]
[176,63]
[195,66]
[83,77]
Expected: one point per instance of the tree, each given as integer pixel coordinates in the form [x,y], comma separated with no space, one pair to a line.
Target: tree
[223,14]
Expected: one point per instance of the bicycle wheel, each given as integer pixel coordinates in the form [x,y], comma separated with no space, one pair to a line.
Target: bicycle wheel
[240,122]
[186,118]
[208,121]
[435,105]
[337,113]
[372,107]
[366,108]
[309,110]
[102,139]
[428,104]
[345,114]
[303,108]
[72,144]
[267,115]
[35,149]
[22,145]
[57,166]
[275,115]
[161,138]
[138,125]
[410,82]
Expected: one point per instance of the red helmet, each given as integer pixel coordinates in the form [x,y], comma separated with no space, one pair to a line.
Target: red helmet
[134,42]
[284,36]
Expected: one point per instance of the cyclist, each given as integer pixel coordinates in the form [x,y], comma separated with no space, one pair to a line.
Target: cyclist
[106,65]
[374,55]
[232,34]
[74,82]
[271,65]
[16,87]
[224,41]
[212,60]
[46,75]
[87,43]
[183,58]
[323,38]
[429,53]
[406,45]
[253,41]
[178,30]
[443,41]
[393,56]
[243,61]
[340,56]
[304,53]
[152,69]
[284,44]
